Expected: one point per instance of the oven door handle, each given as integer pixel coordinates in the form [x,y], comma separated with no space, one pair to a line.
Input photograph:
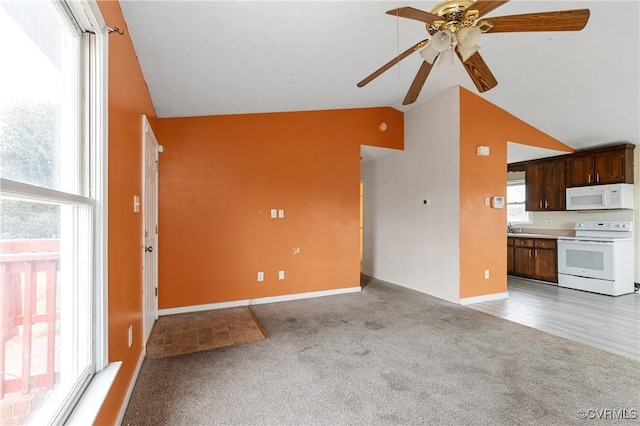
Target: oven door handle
[585,242]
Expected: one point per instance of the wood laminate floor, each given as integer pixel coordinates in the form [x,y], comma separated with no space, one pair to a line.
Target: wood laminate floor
[606,322]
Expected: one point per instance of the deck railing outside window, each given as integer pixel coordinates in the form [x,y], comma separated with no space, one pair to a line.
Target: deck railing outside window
[29,328]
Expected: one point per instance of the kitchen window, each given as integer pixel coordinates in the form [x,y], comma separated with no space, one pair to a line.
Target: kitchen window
[516,197]
[52,214]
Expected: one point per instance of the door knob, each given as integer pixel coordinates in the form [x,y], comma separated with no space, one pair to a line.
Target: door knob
[148,249]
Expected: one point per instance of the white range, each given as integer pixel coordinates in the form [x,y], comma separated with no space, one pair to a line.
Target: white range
[599,258]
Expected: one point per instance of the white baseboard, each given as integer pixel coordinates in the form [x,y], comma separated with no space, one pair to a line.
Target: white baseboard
[134,379]
[484,298]
[259,301]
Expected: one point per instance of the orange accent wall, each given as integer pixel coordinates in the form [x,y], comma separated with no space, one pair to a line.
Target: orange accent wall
[128,100]
[221,175]
[483,237]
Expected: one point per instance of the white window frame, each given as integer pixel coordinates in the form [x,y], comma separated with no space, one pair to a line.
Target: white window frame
[527,222]
[84,405]
[89,17]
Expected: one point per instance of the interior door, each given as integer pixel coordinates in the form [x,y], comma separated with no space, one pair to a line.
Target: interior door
[150,228]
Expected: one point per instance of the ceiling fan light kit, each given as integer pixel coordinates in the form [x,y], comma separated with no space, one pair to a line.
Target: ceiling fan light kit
[429,54]
[467,52]
[447,58]
[456,26]
[442,40]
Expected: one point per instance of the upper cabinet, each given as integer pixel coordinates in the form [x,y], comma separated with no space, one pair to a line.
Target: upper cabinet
[601,166]
[545,186]
[547,179]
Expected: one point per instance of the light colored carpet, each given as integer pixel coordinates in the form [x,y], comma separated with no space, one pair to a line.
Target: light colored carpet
[387,355]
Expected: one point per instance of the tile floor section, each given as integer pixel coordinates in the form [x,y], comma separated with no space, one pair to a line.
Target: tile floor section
[200,331]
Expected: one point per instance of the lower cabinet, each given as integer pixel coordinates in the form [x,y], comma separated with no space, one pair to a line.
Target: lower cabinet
[534,258]
[511,256]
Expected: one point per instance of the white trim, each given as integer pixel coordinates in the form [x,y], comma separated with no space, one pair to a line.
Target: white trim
[132,384]
[86,411]
[149,138]
[30,192]
[484,298]
[260,301]
[100,158]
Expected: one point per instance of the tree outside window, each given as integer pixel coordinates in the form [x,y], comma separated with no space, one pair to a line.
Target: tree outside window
[516,197]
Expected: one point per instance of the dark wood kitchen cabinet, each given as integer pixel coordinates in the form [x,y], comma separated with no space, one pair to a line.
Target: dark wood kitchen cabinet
[523,257]
[524,265]
[511,256]
[545,186]
[600,166]
[546,260]
[535,258]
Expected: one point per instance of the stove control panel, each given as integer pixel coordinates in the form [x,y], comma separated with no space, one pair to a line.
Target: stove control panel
[606,225]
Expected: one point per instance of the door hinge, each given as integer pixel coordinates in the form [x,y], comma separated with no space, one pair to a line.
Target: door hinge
[156,291]
[156,228]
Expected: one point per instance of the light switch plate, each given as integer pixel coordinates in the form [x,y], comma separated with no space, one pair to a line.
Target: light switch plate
[274,213]
[281,214]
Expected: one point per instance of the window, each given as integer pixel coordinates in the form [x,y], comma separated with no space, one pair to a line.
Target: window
[51,209]
[516,196]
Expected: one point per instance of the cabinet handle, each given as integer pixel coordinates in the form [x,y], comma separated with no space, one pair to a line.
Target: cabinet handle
[540,204]
[529,253]
[589,178]
[536,251]
[546,204]
[597,177]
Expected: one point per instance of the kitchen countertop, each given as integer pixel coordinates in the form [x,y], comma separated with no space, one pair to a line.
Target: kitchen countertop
[525,235]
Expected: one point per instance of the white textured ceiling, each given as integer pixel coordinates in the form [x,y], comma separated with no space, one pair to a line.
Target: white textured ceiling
[517,152]
[235,57]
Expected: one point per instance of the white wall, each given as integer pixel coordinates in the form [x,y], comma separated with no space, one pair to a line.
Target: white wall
[407,242]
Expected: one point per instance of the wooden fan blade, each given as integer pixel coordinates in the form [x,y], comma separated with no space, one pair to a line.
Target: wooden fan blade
[391,63]
[479,72]
[417,14]
[565,20]
[418,82]
[485,6]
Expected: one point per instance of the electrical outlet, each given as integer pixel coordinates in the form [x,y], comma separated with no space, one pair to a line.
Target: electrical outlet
[130,335]
[274,213]
[260,276]
[548,222]
[281,214]
[281,275]
[486,274]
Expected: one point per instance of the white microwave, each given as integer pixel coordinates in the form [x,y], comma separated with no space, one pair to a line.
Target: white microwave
[600,197]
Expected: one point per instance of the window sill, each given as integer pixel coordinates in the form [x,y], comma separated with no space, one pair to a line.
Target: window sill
[87,409]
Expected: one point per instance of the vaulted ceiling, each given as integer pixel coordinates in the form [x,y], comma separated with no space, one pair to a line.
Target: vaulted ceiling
[236,57]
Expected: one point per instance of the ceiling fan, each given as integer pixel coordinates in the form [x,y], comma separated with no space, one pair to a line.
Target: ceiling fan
[455,27]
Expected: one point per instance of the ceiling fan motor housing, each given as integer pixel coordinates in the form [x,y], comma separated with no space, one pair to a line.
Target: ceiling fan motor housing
[455,15]
[456,25]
